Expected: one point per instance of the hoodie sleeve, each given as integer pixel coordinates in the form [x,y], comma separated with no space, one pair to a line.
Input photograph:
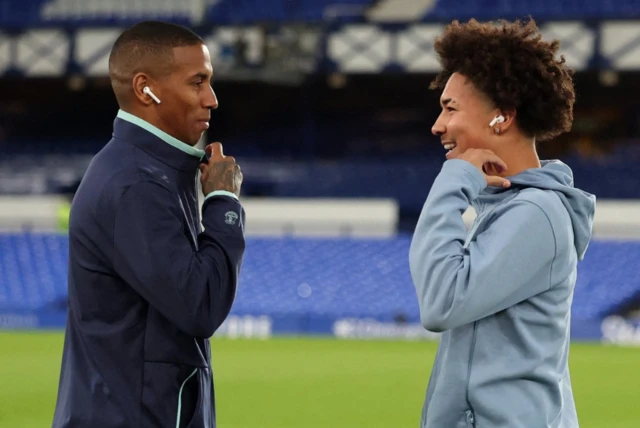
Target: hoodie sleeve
[193,288]
[507,263]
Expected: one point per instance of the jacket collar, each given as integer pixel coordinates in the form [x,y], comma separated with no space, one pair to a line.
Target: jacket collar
[156,143]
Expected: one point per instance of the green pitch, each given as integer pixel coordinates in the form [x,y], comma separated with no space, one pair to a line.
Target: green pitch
[318,383]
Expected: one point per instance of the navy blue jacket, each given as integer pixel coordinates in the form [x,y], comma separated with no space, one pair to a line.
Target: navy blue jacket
[147,286]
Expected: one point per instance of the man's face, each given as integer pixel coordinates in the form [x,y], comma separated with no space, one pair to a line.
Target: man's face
[187,96]
[464,121]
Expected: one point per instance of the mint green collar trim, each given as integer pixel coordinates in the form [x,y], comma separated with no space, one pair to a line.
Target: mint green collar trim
[161,134]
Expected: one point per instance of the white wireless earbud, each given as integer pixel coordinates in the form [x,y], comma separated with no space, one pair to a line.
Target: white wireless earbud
[147,91]
[497,119]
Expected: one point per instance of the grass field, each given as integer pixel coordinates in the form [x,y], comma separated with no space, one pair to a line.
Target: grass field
[314,383]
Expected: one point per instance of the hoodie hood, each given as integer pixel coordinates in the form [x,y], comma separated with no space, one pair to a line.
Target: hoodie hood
[556,176]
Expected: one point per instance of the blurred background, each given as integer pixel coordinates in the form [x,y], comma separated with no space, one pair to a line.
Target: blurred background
[326,106]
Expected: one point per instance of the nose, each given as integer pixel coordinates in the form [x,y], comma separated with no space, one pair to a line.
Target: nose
[439,127]
[210,100]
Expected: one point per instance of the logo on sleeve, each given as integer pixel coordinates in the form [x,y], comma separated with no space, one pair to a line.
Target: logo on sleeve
[230,217]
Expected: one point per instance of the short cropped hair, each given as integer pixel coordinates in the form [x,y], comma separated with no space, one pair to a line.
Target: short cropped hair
[147,46]
[515,68]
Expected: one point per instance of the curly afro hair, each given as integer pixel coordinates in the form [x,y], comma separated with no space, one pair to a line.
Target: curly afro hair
[515,68]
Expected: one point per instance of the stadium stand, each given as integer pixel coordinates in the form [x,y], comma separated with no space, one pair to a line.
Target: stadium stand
[247,11]
[319,99]
[613,176]
[110,12]
[230,12]
[556,9]
[188,12]
[446,10]
[351,154]
[305,278]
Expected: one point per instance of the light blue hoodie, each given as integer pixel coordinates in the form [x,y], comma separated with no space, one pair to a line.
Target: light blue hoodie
[501,294]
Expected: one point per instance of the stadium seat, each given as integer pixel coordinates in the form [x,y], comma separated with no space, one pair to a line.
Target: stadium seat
[17,14]
[230,12]
[314,277]
[406,177]
[540,10]
[116,12]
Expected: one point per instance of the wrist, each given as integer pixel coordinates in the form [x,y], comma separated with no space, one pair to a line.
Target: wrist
[466,174]
[220,193]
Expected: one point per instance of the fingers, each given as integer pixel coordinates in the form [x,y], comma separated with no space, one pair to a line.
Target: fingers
[490,168]
[491,158]
[490,164]
[498,165]
[215,149]
[217,158]
[493,164]
[220,172]
[494,180]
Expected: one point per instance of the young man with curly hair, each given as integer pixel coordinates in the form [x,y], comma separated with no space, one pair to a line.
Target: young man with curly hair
[501,292]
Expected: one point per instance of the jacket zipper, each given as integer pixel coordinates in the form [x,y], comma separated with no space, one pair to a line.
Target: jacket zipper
[180,397]
[473,346]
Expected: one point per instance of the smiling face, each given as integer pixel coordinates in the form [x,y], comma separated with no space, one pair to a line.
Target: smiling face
[464,121]
[186,94]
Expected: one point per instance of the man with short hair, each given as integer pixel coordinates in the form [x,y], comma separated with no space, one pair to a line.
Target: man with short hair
[147,286]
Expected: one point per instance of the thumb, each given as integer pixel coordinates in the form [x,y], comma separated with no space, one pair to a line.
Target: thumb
[494,180]
[215,149]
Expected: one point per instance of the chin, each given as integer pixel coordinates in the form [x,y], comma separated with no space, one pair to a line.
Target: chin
[193,141]
[454,153]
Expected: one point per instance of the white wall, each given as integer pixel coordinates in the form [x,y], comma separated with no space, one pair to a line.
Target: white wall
[615,219]
[264,216]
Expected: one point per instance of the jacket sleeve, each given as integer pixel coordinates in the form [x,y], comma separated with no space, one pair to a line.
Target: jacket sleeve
[503,265]
[193,288]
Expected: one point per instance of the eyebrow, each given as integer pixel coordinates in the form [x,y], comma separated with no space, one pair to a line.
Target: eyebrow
[447,101]
[203,76]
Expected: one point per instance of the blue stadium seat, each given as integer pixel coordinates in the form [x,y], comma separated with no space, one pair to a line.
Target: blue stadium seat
[539,10]
[33,270]
[25,13]
[115,12]
[230,12]
[327,277]
[319,277]
[17,14]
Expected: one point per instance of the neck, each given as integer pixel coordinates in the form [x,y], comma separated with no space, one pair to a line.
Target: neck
[149,115]
[519,155]
[146,114]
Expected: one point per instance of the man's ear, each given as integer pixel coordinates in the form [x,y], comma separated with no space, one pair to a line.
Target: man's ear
[139,82]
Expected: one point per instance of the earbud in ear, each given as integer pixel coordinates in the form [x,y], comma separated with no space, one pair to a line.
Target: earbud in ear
[147,91]
[497,119]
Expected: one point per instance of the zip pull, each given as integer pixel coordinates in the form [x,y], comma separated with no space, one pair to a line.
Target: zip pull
[471,418]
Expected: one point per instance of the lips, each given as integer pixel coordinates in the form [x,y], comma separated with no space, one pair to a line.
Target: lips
[449,145]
